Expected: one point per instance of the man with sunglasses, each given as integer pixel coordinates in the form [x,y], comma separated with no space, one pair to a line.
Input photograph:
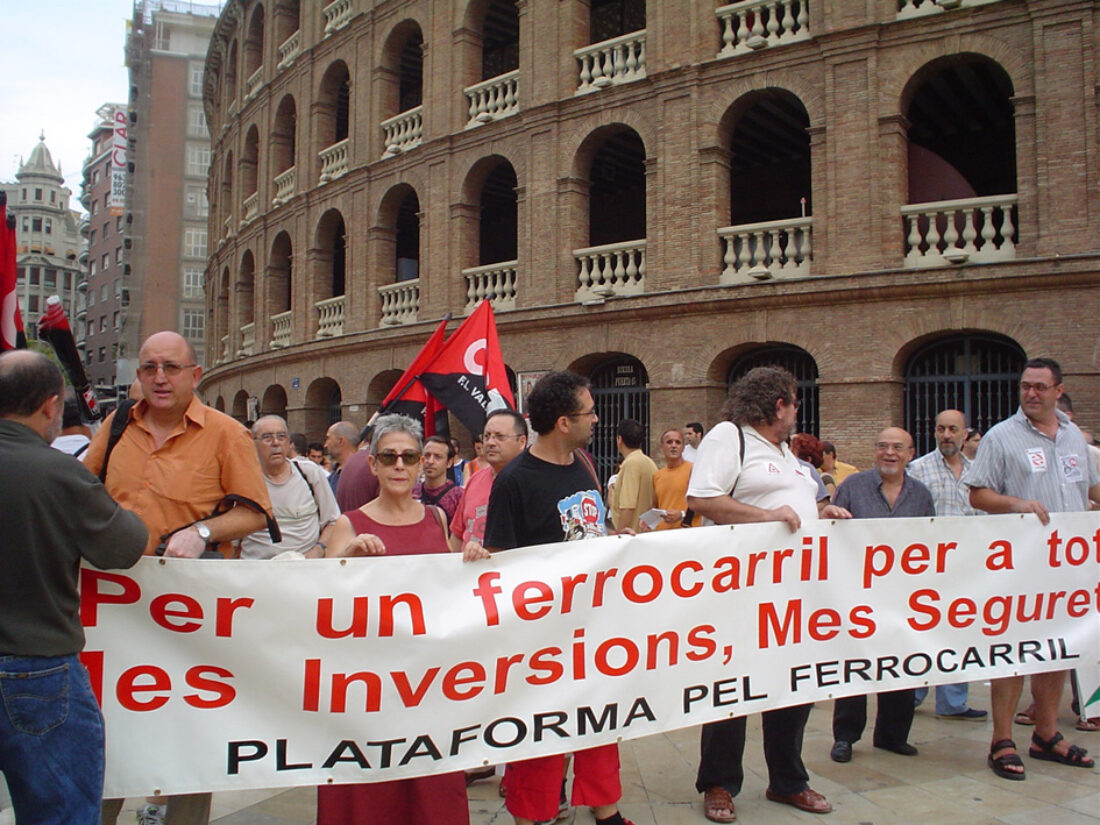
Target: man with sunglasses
[1034,462]
[745,472]
[175,461]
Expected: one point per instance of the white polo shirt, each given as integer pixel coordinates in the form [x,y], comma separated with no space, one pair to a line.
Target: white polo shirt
[770,477]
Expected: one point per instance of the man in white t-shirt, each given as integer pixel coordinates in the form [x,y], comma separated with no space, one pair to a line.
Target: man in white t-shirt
[745,472]
[301,498]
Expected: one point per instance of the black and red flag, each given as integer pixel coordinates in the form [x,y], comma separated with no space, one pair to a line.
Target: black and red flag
[11,322]
[408,396]
[53,327]
[467,375]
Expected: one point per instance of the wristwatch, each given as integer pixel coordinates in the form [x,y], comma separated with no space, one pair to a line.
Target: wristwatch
[203,531]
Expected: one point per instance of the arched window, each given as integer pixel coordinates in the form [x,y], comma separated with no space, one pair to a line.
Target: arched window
[976,374]
[620,389]
[796,361]
[616,195]
[498,232]
[407,240]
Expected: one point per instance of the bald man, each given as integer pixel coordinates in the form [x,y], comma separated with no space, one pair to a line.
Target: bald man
[884,491]
[176,461]
[941,472]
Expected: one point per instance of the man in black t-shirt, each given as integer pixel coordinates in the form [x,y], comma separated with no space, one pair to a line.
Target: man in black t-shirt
[549,494]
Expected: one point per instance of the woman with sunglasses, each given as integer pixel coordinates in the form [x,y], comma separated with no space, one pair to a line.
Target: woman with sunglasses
[393,524]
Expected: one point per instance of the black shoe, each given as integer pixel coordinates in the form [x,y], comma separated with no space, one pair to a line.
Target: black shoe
[841,752]
[904,749]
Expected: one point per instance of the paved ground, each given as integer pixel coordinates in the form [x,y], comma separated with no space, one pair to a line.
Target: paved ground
[947,784]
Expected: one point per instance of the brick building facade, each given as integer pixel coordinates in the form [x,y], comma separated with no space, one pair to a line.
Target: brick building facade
[897,199]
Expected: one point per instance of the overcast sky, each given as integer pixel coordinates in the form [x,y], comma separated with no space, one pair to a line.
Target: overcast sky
[60,60]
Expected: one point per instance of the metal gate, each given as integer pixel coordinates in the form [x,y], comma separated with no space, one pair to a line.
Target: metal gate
[977,374]
[620,390]
[796,361]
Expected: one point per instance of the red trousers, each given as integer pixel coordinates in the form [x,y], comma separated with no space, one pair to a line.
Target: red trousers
[534,785]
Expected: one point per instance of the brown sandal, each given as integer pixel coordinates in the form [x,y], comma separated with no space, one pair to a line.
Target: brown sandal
[718,805]
[1026,717]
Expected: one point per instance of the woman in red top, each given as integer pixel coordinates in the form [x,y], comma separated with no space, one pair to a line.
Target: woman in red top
[393,524]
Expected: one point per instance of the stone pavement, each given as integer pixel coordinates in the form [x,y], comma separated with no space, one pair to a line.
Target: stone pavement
[947,784]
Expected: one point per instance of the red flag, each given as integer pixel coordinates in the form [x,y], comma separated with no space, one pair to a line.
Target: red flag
[11,321]
[468,374]
[408,396]
[53,327]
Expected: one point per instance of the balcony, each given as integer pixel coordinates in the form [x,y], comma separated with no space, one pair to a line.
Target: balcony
[609,270]
[330,317]
[971,230]
[495,282]
[252,85]
[280,330]
[758,251]
[334,161]
[403,132]
[760,24]
[400,302]
[493,99]
[336,15]
[288,50]
[920,8]
[284,187]
[248,341]
[251,208]
[618,60]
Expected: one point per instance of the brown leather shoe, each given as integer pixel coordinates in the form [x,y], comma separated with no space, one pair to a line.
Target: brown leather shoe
[718,805]
[808,800]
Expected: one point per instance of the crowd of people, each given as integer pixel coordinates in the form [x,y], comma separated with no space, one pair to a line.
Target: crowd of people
[172,476]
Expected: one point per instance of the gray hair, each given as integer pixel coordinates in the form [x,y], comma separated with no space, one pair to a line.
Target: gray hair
[262,418]
[395,423]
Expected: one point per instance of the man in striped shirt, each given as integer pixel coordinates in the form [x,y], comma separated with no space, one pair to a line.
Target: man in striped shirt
[941,472]
[1034,462]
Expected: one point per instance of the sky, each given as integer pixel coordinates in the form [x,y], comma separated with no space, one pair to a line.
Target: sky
[60,60]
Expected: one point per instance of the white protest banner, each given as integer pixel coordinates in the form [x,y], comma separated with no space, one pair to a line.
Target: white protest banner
[238,674]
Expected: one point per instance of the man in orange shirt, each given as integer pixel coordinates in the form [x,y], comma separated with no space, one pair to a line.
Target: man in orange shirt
[670,483]
[175,461]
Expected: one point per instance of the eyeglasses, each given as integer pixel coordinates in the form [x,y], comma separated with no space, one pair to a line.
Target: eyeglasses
[589,414]
[885,446]
[487,437]
[1040,388]
[273,438]
[388,458]
[171,370]
[796,403]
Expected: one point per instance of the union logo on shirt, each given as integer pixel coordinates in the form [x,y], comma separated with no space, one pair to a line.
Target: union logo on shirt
[582,515]
[773,468]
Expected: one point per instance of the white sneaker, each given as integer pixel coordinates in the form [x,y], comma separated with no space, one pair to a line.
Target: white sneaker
[150,814]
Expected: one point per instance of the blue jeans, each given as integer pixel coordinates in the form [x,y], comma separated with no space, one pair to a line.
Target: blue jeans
[51,740]
[950,699]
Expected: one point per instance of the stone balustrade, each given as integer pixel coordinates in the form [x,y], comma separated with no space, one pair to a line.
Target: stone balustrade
[919,8]
[289,49]
[284,187]
[611,269]
[336,15]
[248,341]
[251,208]
[764,250]
[334,161]
[495,282]
[403,132]
[969,230]
[758,24]
[400,302]
[618,60]
[280,330]
[252,85]
[330,317]
[493,99]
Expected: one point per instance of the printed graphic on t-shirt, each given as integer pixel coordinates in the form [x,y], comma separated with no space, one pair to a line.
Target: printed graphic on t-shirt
[582,515]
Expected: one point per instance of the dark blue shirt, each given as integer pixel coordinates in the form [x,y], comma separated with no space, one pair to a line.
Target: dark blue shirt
[861,494]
